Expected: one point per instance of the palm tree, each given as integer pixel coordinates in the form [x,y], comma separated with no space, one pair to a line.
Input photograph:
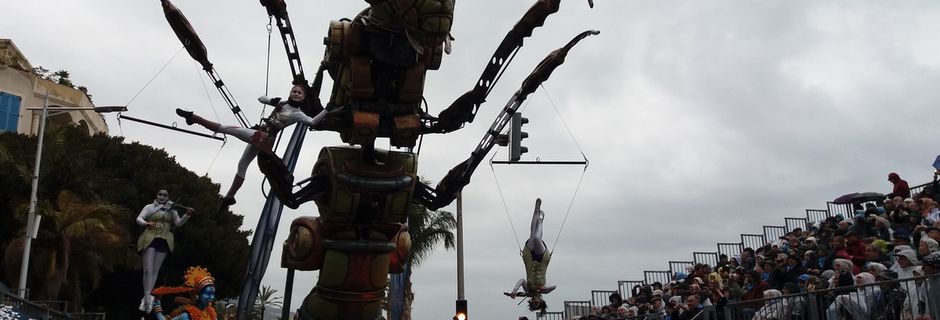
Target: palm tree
[428,229]
[78,241]
[265,300]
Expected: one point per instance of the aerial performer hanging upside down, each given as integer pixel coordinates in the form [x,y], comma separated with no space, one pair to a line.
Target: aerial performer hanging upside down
[536,257]
[260,137]
[198,293]
[157,239]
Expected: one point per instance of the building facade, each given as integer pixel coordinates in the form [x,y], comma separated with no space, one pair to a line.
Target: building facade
[21,88]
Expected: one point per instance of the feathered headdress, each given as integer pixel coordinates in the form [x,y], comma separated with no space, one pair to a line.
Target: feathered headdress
[194,280]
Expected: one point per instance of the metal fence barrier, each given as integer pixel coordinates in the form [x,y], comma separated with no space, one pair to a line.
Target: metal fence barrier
[793,223]
[772,233]
[550,316]
[657,276]
[753,241]
[840,209]
[730,249]
[898,299]
[680,266]
[626,287]
[577,309]
[709,258]
[816,215]
[30,310]
[600,298]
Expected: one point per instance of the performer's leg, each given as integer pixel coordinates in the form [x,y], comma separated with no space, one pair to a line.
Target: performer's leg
[519,290]
[535,243]
[148,257]
[247,156]
[192,118]
[158,258]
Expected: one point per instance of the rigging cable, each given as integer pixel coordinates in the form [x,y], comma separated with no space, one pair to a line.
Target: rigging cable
[217,119]
[586,164]
[267,86]
[506,207]
[155,75]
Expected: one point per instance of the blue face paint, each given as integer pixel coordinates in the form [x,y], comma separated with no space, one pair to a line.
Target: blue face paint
[206,296]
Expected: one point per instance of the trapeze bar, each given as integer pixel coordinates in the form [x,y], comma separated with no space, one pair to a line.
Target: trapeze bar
[171,128]
[539,162]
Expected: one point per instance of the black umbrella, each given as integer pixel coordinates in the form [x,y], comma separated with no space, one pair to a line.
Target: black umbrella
[859,197]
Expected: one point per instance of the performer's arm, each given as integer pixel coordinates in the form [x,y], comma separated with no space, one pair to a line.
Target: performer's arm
[180,221]
[141,218]
[301,117]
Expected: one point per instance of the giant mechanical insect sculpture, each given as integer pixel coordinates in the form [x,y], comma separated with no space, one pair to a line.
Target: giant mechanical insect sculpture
[378,62]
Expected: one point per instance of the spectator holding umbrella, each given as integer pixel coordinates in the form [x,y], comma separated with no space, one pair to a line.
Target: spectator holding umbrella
[901,188]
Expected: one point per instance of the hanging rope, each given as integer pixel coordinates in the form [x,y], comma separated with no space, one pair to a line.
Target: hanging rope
[155,75]
[267,69]
[570,204]
[503,198]
[267,78]
[565,124]
[206,90]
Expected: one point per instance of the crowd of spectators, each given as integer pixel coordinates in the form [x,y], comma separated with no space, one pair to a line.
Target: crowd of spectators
[850,262]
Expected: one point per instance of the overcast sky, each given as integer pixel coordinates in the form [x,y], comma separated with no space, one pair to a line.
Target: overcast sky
[702,119]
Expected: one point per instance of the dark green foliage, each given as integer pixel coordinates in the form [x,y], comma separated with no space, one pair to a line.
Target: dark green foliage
[106,169]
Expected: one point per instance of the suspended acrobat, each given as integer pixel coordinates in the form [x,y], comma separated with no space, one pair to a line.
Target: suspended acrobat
[260,137]
[536,257]
[157,239]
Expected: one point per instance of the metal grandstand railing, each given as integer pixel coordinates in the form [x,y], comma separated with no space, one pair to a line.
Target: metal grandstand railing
[625,287]
[600,298]
[709,258]
[680,266]
[845,210]
[730,249]
[793,223]
[657,276]
[550,316]
[772,233]
[815,215]
[752,241]
[577,309]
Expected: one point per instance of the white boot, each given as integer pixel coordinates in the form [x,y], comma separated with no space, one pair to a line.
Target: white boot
[149,299]
[143,304]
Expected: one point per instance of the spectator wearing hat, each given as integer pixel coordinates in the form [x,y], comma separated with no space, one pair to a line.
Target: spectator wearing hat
[789,271]
[901,237]
[927,246]
[891,302]
[930,294]
[907,262]
[901,188]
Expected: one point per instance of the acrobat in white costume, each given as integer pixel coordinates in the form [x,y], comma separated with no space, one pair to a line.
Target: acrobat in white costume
[158,218]
[260,137]
[536,257]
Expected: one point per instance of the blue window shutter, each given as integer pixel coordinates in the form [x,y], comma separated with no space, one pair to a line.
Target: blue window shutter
[9,111]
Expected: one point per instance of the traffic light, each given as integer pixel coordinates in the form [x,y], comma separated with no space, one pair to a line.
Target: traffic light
[461,310]
[515,137]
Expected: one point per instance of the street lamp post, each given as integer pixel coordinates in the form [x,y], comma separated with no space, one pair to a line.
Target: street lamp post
[33,220]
